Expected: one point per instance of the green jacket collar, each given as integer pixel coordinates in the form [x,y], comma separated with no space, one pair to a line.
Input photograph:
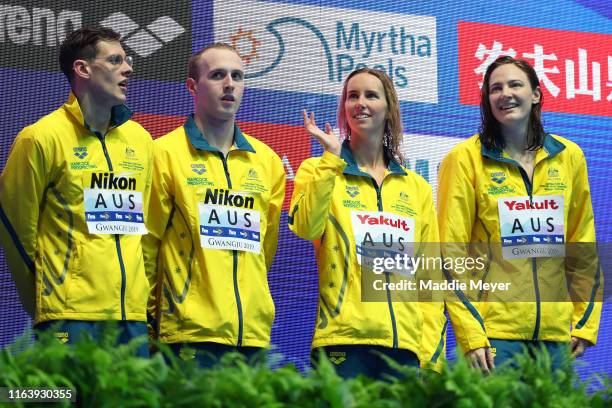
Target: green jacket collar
[198,140]
[352,168]
[119,113]
[550,145]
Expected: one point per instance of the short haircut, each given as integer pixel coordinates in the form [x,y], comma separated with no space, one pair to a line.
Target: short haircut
[194,69]
[81,44]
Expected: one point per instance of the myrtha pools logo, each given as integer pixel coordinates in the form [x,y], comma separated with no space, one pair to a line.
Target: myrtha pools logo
[290,48]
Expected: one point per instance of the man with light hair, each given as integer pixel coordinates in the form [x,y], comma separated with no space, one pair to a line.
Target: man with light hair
[216,201]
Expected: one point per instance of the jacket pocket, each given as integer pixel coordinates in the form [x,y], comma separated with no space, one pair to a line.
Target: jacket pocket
[60,266]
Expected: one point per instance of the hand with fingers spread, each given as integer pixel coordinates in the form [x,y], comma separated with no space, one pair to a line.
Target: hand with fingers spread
[579,346]
[327,139]
[482,359]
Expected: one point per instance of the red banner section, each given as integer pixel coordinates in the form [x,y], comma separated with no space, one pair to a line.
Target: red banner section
[158,125]
[575,68]
[291,143]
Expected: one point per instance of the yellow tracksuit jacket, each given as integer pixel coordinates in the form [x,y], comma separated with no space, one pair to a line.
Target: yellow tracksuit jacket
[327,190]
[472,181]
[208,294]
[58,266]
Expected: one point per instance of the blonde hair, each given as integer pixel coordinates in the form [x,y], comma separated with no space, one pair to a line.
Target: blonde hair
[194,69]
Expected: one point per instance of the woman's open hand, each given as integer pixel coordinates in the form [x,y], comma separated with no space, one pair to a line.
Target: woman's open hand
[327,139]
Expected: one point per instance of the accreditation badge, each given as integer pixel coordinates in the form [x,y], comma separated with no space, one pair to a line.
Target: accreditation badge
[113,203]
[230,219]
[382,235]
[531,227]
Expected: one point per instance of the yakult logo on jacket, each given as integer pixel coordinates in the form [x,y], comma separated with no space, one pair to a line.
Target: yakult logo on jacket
[513,205]
[383,220]
[283,43]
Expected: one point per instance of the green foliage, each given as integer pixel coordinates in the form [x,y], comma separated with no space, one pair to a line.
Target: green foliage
[106,375]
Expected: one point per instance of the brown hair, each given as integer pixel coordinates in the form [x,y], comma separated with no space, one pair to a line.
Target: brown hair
[194,70]
[490,132]
[81,44]
[393,125]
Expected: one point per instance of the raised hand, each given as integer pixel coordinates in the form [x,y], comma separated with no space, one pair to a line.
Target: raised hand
[327,139]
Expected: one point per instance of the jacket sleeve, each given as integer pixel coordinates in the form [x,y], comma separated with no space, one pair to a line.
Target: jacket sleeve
[456,215]
[583,269]
[22,188]
[433,346]
[275,206]
[159,208]
[312,195]
[146,195]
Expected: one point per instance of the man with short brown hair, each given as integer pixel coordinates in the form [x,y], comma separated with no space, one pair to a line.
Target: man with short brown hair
[73,195]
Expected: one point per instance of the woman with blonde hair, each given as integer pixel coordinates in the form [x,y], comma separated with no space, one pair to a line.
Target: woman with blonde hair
[357,194]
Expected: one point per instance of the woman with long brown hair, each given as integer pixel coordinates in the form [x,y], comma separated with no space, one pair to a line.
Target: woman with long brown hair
[521,196]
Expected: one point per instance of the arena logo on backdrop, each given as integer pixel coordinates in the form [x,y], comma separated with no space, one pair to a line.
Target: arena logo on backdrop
[144,41]
[30,36]
[291,48]
[574,68]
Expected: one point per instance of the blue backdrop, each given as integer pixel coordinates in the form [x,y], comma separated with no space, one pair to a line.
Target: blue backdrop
[296,55]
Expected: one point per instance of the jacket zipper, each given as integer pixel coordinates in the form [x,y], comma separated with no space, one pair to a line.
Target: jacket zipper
[534,264]
[235,262]
[117,240]
[389,301]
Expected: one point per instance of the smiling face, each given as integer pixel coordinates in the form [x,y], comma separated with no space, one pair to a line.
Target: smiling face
[108,73]
[365,105]
[511,97]
[219,87]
